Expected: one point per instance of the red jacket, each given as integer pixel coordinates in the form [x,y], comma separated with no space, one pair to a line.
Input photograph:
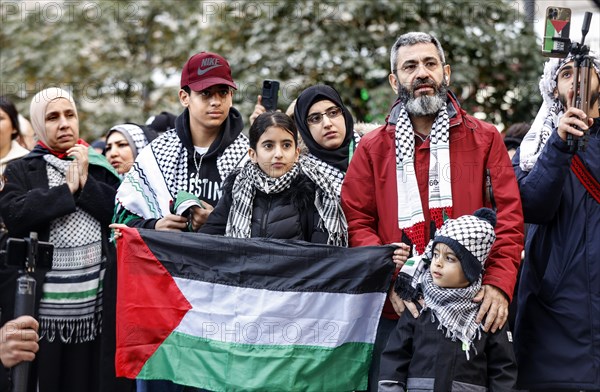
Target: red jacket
[369,190]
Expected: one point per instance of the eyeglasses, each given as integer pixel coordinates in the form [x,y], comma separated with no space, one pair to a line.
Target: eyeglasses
[316,118]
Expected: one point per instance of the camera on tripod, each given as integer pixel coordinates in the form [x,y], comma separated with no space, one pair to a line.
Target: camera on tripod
[27,253]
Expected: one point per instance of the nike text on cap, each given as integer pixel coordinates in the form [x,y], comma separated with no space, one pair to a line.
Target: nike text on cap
[204,70]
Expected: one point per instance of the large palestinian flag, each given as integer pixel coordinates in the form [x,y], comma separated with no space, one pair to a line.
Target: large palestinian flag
[247,314]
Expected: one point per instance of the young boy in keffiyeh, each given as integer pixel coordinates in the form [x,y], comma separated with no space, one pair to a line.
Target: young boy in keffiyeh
[445,348]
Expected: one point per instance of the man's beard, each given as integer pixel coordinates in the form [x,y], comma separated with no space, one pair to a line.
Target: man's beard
[564,101]
[424,105]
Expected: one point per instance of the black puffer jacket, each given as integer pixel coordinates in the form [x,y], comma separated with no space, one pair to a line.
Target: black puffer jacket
[290,214]
[419,357]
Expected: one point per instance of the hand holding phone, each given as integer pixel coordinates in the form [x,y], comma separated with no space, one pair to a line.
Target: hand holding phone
[270,92]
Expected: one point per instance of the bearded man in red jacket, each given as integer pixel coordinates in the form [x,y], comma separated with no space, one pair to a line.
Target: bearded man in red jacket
[432,160]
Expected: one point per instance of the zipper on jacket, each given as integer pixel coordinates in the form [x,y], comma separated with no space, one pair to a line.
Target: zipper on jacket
[489,188]
[265,217]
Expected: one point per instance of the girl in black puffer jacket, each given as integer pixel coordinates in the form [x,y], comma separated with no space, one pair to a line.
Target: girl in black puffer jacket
[278,195]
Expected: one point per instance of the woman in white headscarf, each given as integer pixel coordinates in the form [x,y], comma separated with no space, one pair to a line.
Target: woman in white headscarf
[64,191]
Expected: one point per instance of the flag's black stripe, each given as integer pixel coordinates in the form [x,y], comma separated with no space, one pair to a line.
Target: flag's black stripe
[72,279]
[279,265]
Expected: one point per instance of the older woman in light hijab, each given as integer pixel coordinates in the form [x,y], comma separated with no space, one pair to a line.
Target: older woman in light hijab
[64,191]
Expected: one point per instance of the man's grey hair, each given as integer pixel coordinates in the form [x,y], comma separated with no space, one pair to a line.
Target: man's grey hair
[410,39]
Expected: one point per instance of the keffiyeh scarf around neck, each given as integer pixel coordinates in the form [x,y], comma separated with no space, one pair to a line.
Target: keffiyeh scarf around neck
[410,211]
[536,138]
[161,171]
[546,121]
[327,199]
[71,304]
[334,173]
[454,310]
[249,179]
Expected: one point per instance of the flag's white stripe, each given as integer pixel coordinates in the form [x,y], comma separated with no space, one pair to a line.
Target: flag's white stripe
[71,287]
[257,316]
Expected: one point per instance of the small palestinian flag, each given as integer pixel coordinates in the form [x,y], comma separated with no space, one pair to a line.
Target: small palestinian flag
[230,314]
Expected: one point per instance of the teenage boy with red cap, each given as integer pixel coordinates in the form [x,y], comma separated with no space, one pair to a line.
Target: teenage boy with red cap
[205,146]
[195,157]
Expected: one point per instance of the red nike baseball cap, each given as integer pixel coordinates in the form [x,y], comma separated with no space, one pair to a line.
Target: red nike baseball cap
[204,70]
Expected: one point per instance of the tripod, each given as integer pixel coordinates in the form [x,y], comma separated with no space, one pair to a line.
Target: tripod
[582,64]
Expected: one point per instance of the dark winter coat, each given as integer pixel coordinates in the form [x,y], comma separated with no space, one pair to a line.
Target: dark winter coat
[557,330]
[27,204]
[418,357]
[290,214]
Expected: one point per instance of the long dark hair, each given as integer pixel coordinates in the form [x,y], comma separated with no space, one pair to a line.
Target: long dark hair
[9,108]
[271,119]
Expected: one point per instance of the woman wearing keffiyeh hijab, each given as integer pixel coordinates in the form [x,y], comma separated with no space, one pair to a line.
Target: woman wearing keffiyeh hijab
[445,347]
[273,197]
[64,191]
[123,144]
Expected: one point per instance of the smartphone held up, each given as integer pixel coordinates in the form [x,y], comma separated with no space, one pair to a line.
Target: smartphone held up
[556,42]
[270,93]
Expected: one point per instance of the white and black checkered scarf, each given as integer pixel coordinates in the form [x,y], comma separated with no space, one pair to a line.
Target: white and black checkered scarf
[251,178]
[71,304]
[327,198]
[248,180]
[161,171]
[454,309]
[410,209]
[546,121]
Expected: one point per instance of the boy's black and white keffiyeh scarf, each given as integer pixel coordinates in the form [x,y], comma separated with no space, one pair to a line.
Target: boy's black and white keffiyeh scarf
[327,199]
[71,303]
[454,310]
[408,283]
[410,211]
[248,180]
[161,171]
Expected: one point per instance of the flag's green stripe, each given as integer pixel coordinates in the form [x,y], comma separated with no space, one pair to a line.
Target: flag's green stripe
[219,366]
[74,295]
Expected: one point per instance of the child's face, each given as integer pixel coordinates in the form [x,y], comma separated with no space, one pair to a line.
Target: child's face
[446,269]
[275,151]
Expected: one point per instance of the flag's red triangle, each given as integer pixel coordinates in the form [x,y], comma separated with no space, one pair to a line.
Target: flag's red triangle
[559,24]
[149,304]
